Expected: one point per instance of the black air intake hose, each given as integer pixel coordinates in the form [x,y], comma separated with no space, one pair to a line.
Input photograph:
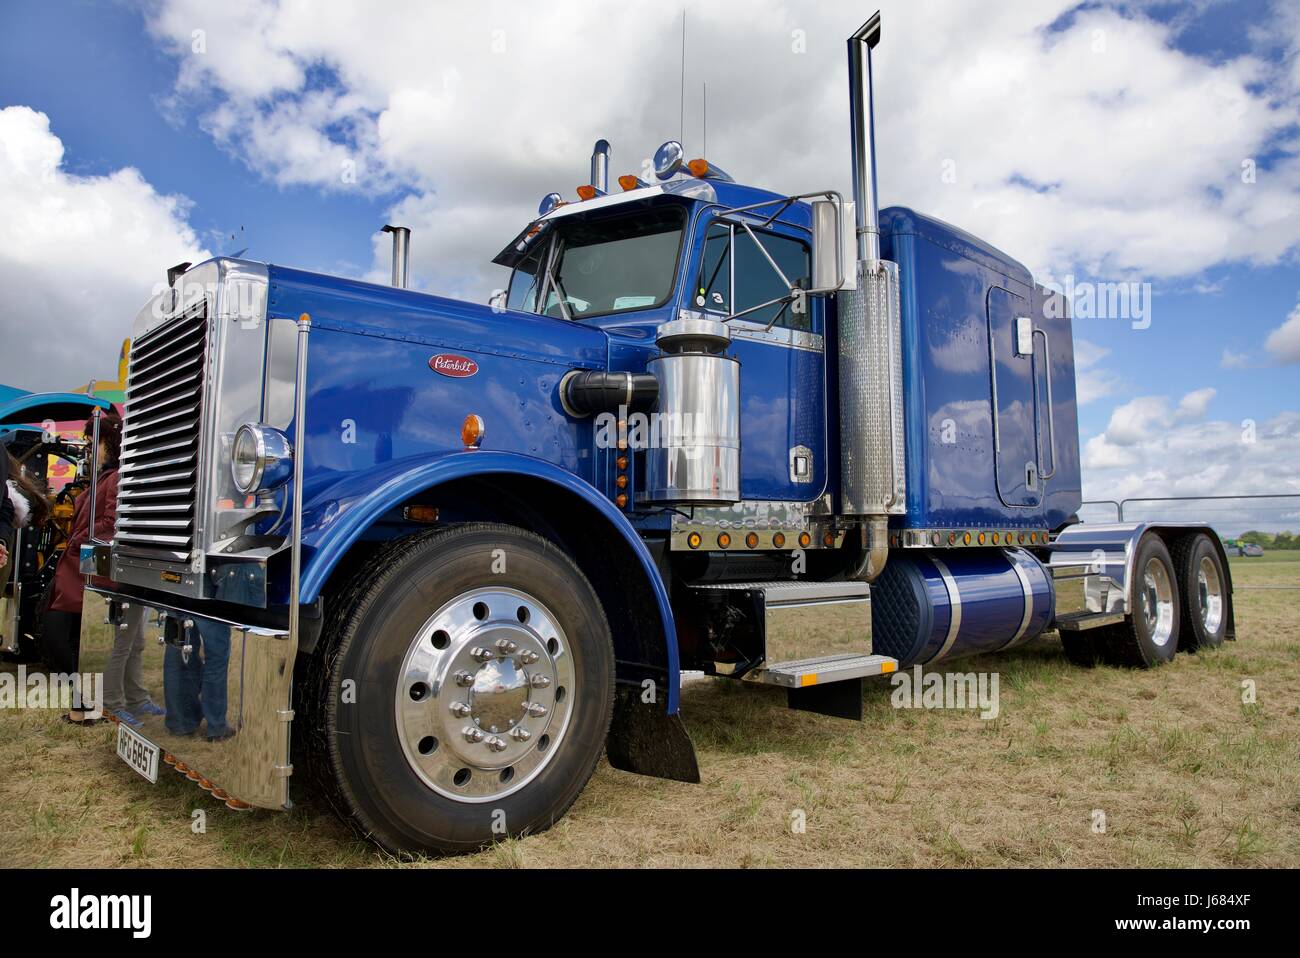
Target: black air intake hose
[587,391]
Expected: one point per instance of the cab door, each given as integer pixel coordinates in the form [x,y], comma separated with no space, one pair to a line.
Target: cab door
[781,353]
[1015,418]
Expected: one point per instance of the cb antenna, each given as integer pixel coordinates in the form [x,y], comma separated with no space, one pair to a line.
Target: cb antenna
[682,116]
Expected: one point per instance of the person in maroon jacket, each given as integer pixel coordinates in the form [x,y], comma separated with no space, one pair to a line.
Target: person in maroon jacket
[61,627]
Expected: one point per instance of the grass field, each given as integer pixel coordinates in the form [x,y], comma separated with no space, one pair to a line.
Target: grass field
[1184,773]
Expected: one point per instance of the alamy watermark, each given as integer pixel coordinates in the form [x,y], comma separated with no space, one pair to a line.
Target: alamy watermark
[946,690]
[1129,302]
[82,691]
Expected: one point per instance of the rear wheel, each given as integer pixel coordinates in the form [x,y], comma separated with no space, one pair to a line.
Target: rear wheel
[1149,637]
[1202,584]
[468,690]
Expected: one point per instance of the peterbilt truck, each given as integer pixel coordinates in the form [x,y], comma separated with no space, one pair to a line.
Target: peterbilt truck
[441,556]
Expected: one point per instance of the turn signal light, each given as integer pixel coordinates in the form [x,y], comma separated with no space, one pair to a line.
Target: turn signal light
[471,431]
[421,513]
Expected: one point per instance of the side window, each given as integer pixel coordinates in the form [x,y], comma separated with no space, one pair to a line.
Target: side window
[755,280]
[713,291]
[526,280]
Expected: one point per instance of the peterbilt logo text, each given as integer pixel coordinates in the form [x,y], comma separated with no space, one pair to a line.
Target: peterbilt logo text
[449,364]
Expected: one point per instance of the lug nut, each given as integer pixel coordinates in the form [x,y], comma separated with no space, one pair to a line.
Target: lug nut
[528,658]
[464,679]
[520,734]
[496,743]
[535,710]
[540,681]
[482,655]
[460,709]
[505,646]
[473,734]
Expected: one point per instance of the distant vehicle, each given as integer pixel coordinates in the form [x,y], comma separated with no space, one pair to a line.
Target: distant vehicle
[1251,549]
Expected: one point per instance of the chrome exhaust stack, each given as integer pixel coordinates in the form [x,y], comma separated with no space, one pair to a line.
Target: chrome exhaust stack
[600,166]
[401,253]
[866,209]
[872,474]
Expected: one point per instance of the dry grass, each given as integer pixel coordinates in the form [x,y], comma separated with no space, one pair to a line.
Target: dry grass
[1185,774]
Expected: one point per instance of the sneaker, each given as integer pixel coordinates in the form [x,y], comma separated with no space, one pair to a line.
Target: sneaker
[150,709]
[122,715]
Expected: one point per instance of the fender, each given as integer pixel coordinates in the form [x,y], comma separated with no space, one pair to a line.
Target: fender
[337,515]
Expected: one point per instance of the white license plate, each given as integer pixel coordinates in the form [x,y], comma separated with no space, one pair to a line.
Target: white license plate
[138,752]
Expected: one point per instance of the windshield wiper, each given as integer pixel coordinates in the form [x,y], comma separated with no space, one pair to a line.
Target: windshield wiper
[554,281]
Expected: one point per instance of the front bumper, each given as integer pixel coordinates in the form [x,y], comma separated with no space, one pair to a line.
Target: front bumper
[211,675]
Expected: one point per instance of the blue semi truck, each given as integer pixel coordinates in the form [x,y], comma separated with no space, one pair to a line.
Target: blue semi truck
[440,556]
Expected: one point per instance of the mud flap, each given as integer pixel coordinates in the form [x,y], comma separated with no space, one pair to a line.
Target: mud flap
[642,739]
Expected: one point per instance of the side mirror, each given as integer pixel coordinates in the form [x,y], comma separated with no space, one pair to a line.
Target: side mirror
[827,256]
[498,300]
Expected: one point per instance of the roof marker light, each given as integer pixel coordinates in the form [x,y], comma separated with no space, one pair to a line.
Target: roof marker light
[630,181]
[588,192]
[704,170]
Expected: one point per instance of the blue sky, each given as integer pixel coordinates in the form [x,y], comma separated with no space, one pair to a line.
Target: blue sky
[1098,140]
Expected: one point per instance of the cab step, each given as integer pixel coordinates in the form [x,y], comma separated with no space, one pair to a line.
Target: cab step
[829,685]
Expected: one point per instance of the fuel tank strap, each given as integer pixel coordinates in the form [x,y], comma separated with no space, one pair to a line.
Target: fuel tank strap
[954,622]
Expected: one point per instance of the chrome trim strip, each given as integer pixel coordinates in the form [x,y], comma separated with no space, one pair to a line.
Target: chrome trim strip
[1027,588]
[954,622]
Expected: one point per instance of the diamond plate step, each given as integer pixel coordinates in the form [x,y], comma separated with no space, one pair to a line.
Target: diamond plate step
[802,673]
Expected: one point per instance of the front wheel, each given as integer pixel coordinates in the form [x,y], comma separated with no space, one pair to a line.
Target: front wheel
[467,690]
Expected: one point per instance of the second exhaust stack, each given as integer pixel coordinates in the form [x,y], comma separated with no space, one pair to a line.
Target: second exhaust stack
[401,253]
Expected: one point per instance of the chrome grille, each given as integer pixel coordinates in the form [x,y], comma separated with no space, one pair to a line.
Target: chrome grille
[158,489]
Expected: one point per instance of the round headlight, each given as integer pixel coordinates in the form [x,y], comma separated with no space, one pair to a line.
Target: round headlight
[261,458]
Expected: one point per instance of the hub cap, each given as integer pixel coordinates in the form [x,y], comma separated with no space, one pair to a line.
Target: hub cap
[1158,602]
[1209,591]
[484,694]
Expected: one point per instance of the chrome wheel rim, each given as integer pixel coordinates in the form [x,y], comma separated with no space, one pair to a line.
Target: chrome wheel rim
[484,694]
[1158,602]
[1209,591]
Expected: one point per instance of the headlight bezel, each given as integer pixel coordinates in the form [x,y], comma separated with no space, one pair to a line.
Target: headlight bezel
[271,458]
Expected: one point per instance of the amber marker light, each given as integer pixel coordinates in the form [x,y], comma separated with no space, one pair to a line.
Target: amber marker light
[805,539]
[693,540]
[621,462]
[471,431]
[751,540]
[778,539]
[627,181]
[965,540]
[724,540]
[699,168]
[620,500]
[952,538]
[587,192]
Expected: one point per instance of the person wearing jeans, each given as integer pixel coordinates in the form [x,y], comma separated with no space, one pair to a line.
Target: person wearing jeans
[125,695]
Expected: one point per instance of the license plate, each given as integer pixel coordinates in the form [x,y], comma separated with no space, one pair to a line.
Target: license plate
[138,752]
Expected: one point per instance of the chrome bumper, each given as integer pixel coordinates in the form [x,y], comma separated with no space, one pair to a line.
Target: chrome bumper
[190,662]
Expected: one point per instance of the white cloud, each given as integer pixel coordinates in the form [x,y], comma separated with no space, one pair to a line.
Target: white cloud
[1093,148]
[1194,404]
[1284,342]
[1091,381]
[79,256]
[1233,360]
[1196,459]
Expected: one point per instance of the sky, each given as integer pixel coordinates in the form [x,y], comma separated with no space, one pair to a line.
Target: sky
[1150,144]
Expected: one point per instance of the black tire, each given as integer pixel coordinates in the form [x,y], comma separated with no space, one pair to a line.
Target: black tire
[1132,642]
[1188,553]
[359,756]
[1080,649]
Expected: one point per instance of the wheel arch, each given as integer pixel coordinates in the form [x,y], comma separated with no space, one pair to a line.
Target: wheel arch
[364,509]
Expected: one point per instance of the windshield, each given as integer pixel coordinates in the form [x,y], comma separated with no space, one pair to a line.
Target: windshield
[608,265]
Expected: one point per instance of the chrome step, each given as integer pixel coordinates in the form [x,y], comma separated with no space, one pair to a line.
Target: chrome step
[803,673]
